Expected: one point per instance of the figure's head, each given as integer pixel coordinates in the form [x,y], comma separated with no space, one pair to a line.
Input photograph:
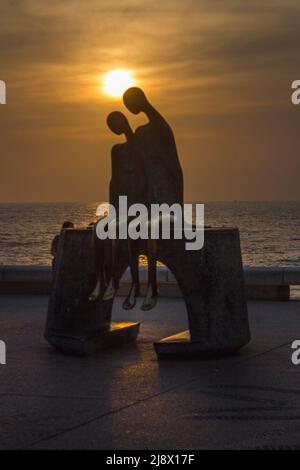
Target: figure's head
[67,224]
[118,123]
[135,100]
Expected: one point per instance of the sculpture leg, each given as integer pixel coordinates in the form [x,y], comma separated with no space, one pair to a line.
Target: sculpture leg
[99,253]
[113,284]
[133,252]
[151,296]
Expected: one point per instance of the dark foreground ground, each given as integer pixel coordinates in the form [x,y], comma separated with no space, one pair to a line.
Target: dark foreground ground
[125,399]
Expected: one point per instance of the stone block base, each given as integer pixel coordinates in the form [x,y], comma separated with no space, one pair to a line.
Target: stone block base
[180,346]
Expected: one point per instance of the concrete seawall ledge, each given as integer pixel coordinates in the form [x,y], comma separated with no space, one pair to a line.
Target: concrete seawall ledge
[25,279]
[269,283]
[272,276]
[27,273]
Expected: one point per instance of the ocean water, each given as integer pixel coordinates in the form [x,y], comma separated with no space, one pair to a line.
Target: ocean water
[270,231]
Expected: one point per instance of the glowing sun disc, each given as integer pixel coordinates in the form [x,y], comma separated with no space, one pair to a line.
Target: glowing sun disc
[117,82]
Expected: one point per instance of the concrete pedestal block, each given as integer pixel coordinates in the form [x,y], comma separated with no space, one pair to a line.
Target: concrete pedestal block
[74,324]
[182,346]
[211,281]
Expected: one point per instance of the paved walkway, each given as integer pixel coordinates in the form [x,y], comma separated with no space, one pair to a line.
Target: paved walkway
[124,399]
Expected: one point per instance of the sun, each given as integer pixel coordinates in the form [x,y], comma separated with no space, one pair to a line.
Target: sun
[116,82]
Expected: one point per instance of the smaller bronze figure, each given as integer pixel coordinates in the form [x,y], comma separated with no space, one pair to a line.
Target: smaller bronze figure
[126,181]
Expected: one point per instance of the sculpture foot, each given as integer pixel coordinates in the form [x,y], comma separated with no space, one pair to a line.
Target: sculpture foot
[130,301]
[96,293]
[110,293]
[150,300]
[149,305]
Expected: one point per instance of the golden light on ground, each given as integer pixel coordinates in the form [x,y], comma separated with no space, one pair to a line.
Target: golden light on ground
[116,82]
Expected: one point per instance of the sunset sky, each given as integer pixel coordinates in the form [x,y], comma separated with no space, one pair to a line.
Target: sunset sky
[220,71]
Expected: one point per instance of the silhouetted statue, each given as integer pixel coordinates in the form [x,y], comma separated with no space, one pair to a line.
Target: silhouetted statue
[127,180]
[156,147]
[146,169]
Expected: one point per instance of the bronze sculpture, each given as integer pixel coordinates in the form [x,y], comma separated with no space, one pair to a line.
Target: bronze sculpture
[146,169]
[210,278]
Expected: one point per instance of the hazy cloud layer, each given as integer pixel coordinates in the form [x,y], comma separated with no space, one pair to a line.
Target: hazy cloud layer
[220,70]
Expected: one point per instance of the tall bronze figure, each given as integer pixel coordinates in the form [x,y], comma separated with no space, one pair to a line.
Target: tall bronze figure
[155,146]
